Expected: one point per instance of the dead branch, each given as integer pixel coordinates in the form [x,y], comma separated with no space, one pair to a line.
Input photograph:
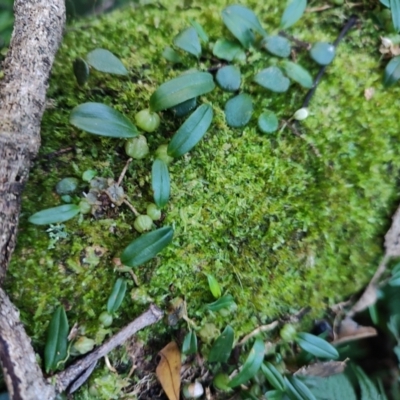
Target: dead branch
[66,378]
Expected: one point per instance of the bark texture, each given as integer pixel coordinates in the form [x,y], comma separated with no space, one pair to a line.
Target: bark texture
[36,37]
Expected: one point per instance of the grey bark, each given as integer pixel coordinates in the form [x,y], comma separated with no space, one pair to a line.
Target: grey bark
[36,37]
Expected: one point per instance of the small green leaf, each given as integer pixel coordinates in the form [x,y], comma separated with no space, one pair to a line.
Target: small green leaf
[171,55]
[184,108]
[105,61]
[146,246]
[180,89]
[228,50]
[242,22]
[251,365]
[268,122]
[222,347]
[238,110]
[56,344]
[191,131]
[274,395]
[298,74]
[160,182]
[392,72]
[116,296]
[102,120]
[214,286]
[368,388]
[293,12]
[223,302]
[199,29]
[88,175]
[316,346]
[273,376]
[189,345]
[228,78]
[54,215]
[297,389]
[188,40]
[273,79]
[81,71]
[395,8]
[323,53]
[278,46]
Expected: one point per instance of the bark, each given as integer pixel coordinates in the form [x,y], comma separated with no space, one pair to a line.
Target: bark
[35,40]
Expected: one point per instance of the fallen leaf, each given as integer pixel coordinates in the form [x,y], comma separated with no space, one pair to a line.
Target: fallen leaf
[348,330]
[322,369]
[168,370]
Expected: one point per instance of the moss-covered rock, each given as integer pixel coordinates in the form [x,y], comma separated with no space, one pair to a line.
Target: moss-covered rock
[278,226]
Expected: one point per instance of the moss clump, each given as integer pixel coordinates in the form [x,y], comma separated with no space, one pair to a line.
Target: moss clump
[279,227]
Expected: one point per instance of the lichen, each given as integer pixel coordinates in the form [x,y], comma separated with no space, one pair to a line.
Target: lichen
[279,227]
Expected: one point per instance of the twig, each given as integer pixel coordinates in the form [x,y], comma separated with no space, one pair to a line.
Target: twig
[66,378]
[262,328]
[123,172]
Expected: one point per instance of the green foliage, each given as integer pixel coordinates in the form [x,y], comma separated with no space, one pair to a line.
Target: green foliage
[56,345]
[180,89]
[102,120]
[278,46]
[117,296]
[273,79]
[250,366]
[215,289]
[228,50]
[188,40]
[191,131]
[189,345]
[293,13]
[145,247]
[228,78]
[225,301]
[268,122]
[104,61]
[323,53]
[160,183]
[81,70]
[55,215]
[238,110]
[222,347]
[316,346]
[392,72]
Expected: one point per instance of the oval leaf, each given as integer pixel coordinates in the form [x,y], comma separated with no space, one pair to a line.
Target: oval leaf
[105,61]
[228,78]
[293,12]
[56,344]
[273,79]
[180,89]
[168,370]
[81,70]
[228,50]
[268,122]
[242,22]
[188,40]
[189,345]
[223,302]
[278,46]
[222,347]
[147,246]
[392,72]
[191,131]
[54,215]
[298,74]
[251,366]
[322,53]
[316,346]
[238,110]
[273,376]
[160,182]
[116,296]
[214,286]
[102,120]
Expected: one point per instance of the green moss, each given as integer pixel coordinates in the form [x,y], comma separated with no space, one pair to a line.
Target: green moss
[279,227]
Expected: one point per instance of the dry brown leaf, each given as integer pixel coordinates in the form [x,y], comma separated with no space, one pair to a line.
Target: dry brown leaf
[392,238]
[322,369]
[348,330]
[168,370]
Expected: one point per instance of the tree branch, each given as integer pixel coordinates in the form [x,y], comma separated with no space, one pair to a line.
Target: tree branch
[37,34]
